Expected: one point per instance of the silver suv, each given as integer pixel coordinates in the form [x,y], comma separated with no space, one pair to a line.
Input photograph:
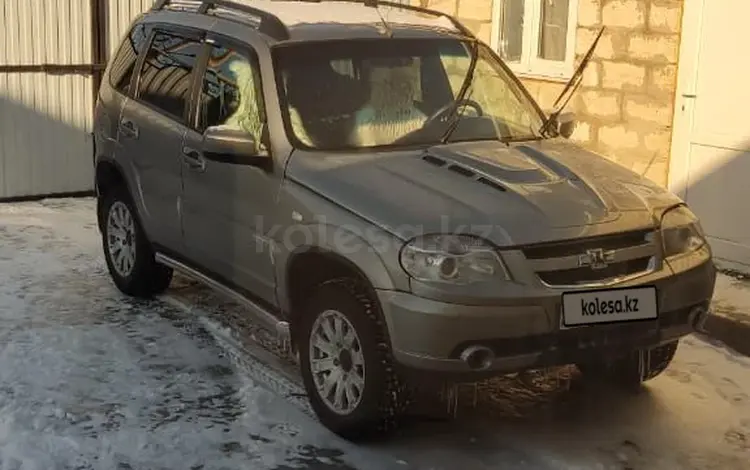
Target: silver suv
[376,186]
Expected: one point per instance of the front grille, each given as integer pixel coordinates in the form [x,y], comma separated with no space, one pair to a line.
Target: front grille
[575,247]
[569,263]
[585,275]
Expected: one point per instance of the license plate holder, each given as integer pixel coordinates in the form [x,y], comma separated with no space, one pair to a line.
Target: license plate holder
[609,306]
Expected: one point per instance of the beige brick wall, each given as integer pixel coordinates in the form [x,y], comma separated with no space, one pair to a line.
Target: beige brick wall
[625,103]
[628,105]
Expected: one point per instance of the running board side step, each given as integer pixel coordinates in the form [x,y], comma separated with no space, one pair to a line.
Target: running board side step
[266,319]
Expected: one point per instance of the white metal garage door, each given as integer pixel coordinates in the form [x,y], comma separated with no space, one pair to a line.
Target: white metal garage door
[46,116]
[711,143]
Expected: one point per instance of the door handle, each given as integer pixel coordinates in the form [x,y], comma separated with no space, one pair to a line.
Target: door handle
[193,159]
[129,129]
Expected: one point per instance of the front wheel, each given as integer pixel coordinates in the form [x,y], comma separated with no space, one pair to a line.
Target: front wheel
[346,361]
[637,367]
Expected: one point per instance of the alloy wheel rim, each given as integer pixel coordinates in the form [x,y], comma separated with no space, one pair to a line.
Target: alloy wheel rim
[337,362]
[121,238]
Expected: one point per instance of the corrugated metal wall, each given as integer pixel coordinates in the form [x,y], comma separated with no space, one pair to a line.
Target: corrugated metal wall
[45,120]
[119,14]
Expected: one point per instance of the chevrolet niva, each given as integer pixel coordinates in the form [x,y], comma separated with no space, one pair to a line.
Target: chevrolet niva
[376,186]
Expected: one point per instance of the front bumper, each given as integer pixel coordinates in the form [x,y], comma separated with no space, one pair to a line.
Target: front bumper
[429,335]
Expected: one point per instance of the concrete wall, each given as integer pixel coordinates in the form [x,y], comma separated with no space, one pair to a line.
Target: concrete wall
[626,100]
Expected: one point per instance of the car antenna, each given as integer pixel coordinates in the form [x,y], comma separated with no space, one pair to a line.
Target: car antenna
[570,87]
[374,4]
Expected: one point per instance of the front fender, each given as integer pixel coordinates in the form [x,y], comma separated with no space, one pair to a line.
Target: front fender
[373,253]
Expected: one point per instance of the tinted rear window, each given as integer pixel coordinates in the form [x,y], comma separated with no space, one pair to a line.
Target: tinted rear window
[166,77]
[123,64]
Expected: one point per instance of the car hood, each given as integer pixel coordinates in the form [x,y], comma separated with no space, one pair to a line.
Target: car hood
[515,194]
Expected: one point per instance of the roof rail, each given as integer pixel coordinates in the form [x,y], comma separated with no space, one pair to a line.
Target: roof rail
[272,26]
[417,9]
[269,24]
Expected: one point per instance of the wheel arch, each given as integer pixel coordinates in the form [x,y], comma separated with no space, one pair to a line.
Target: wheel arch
[311,265]
[110,175]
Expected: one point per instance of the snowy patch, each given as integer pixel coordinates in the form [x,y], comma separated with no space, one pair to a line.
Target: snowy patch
[92,379]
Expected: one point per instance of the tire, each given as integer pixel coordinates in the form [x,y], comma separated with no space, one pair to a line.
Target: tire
[634,369]
[137,275]
[381,398]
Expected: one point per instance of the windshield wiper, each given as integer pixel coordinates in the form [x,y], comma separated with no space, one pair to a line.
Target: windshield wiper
[456,115]
[570,88]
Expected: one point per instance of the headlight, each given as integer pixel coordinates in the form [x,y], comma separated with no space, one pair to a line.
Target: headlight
[681,232]
[456,259]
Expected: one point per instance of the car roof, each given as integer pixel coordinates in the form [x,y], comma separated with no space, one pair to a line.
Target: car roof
[337,19]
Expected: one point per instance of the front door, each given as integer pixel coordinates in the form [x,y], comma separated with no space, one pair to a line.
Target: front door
[228,206]
[710,163]
[151,130]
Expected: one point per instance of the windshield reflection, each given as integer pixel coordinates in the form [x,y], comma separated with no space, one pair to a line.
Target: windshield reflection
[399,92]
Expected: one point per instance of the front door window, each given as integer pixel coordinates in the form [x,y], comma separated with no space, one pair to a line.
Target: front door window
[231,95]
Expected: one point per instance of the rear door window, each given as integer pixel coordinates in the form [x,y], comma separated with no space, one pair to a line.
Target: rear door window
[123,65]
[166,78]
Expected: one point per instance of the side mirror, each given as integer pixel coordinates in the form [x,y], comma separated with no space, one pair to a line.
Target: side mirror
[234,146]
[565,124]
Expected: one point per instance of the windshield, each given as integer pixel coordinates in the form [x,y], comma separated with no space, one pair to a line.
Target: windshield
[397,92]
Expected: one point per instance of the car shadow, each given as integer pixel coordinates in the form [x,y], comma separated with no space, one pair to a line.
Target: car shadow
[509,420]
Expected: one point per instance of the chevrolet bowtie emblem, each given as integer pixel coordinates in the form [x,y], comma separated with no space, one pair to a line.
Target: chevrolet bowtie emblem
[596,258]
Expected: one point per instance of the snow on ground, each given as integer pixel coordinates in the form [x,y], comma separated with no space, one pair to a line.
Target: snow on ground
[90,379]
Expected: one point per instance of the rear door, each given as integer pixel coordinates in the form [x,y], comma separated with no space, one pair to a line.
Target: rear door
[117,88]
[229,206]
[152,127]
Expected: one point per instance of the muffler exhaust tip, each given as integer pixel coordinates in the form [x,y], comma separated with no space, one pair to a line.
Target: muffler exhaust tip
[478,357]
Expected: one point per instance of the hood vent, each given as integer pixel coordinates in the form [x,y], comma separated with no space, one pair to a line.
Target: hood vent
[463,171]
[493,184]
[432,160]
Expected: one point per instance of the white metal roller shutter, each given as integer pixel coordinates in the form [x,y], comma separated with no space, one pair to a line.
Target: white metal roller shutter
[45,118]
